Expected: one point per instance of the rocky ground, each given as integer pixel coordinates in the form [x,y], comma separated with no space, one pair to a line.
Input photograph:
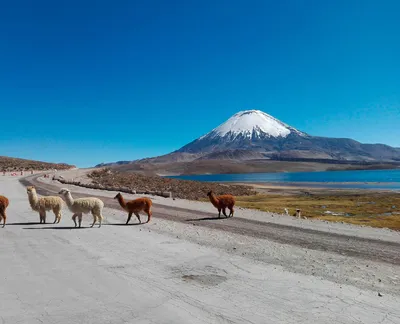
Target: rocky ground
[184,189]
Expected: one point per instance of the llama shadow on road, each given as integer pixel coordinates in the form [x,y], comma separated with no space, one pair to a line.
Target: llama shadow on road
[123,224]
[54,228]
[206,218]
[26,224]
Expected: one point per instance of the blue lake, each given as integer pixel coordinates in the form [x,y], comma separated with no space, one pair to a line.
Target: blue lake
[368,179]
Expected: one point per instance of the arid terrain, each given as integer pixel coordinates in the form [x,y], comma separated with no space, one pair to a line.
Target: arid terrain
[9,164]
[187,266]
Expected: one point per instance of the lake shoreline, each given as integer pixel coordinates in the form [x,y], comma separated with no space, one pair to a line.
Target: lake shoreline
[377,180]
[364,186]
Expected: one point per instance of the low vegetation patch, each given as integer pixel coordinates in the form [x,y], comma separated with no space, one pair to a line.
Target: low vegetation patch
[376,209]
[371,209]
[193,190]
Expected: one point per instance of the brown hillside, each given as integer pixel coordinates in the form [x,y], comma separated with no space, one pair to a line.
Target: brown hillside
[9,164]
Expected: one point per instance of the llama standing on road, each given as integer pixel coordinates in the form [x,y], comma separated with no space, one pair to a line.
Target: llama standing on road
[3,206]
[43,204]
[135,206]
[83,206]
[222,202]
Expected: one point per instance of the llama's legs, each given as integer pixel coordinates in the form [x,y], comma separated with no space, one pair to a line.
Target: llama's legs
[129,218]
[138,217]
[219,212]
[94,219]
[74,218]
[224,211]
[100,217]
[42,216]
[149,214]
[4,217]
[80,219]
[57,214]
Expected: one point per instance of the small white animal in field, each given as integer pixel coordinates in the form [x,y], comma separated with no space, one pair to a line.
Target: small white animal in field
[298,214]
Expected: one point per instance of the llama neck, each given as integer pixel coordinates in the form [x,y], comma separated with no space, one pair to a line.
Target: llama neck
[214,200]
[33,199]
[121,201]
[69,200]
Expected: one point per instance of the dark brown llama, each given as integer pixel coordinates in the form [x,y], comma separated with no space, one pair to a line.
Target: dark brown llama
[222,202]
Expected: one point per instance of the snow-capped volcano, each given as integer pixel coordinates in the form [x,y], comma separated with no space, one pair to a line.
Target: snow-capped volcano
[255,135]
[252,124]
[246,130]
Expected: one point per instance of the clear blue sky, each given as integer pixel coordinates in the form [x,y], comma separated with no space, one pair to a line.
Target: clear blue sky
[86,82]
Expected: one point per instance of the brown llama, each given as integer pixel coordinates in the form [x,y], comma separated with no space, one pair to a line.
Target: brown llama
[222,202]
[3,206]
[135,206]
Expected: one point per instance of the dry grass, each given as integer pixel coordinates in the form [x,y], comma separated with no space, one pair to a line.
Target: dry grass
[371,209]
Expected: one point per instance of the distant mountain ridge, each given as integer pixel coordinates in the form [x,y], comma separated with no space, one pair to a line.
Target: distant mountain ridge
[255,135]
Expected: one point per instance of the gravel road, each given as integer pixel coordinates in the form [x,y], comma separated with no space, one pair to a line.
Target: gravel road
[187,267]
[365,248]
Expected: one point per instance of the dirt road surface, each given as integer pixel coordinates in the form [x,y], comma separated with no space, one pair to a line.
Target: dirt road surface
[187,267]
